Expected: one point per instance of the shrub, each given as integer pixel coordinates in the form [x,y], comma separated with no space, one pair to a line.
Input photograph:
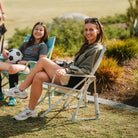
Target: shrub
[122,50]
[108,73]
[112,32]
[118,18]
[17,39]
[69,35]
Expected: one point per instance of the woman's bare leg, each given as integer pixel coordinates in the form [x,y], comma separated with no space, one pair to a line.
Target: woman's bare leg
[4,66]
[36,89]
[44,64]
[12,68]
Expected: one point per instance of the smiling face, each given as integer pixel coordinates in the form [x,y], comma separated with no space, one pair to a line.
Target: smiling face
[38,33]
[91,32]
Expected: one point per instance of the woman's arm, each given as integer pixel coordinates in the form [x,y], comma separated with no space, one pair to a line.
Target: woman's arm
[43,50]
[42,56]
[22,62]
[5,53]
[2,11]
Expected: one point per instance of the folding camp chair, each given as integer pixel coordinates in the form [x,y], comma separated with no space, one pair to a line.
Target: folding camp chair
[22,75]
[80,94]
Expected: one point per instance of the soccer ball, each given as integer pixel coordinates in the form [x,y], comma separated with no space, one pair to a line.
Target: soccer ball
[14,56]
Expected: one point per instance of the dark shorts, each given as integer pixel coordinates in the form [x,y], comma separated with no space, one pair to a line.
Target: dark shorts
[75,80]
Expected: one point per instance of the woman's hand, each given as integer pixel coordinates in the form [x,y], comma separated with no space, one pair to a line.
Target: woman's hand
[5,53]
[22,62]
[61,72]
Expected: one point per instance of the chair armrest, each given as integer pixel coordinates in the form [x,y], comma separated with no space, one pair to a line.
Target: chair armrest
[88,76]
[85,76]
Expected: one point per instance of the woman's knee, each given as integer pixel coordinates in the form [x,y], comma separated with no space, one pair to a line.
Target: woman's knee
[43,60]
[39,77]
[12,70]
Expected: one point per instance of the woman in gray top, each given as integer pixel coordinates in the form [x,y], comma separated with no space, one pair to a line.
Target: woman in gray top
[34,49]
[44,70]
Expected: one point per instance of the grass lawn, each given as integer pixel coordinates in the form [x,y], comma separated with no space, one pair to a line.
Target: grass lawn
[114,123]
[23,13]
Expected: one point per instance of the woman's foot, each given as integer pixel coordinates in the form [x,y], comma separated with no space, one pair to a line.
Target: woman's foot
[1,96]
[15,92]
[26,114]
[12,101]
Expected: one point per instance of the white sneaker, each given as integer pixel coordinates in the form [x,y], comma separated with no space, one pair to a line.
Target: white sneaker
[26,114]
[15,92]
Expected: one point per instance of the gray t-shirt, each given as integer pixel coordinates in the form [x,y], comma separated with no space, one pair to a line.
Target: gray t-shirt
[33,52]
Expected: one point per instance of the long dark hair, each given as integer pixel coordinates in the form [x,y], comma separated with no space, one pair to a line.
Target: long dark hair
[100,36]
[32,39]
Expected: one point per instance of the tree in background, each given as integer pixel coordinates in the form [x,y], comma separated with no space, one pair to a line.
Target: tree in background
[132,13]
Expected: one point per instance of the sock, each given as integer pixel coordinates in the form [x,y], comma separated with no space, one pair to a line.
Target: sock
[13,80]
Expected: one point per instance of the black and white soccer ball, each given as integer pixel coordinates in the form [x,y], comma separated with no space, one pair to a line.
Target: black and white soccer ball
[14,56]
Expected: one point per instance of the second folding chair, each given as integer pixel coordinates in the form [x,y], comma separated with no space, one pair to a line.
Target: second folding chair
[80,94]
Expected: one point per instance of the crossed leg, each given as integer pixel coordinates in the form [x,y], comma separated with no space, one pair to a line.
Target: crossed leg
[44,65]
[43,71]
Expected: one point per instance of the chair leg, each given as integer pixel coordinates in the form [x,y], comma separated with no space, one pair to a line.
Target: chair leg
[96,105]
[42,115]
[49,99]
[76,111]
[74,97]
[66,103]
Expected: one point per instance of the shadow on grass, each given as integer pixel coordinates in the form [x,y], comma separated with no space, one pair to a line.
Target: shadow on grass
[133,100]
[3,103]
[9,127]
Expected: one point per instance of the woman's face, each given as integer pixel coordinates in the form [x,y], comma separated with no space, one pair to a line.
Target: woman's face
[91,32]
[38,32]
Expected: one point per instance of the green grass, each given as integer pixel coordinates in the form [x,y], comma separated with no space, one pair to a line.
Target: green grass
[23,13]
[114,123]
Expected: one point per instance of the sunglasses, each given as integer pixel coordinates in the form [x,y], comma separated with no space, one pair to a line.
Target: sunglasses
[92,20]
